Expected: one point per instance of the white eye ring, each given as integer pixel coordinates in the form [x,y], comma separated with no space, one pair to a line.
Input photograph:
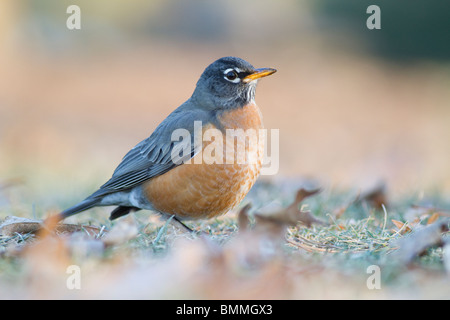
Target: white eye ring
[235,71]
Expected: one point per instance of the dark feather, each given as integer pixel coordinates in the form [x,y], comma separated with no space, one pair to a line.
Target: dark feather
[121,211]
[82,206]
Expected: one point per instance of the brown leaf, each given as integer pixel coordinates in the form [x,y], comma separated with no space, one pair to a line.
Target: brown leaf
[423,211]
[302,194]
[418,241]
[433,218]
[292,215]
[403,226]
[254,247]
[308,219]
[376,197]
[243,219]
[12,225]
[340,227]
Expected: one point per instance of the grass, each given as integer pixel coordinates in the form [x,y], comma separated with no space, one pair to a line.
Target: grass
[357,235]
[346,237]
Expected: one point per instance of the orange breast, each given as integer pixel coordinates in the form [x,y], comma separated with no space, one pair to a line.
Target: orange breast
[217,179]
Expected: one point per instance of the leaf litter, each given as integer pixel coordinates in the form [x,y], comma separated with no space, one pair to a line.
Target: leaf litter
[297,250]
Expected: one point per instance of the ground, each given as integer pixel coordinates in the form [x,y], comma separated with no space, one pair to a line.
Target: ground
[353,249]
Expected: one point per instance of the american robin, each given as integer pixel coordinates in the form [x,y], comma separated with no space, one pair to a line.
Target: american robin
[188,188]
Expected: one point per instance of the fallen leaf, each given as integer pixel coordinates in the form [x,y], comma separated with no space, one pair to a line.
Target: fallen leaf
[243,218]
[13,225]
[433,218]
[424,211]
[375,197]
[256,246]
[340,227]
[419,240]
[292,215]
[302,194]
[401,226]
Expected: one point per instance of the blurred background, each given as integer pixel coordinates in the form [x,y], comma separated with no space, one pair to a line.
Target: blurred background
[354,106]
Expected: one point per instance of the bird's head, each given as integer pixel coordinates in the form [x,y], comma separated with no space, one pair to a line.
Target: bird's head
[228,83]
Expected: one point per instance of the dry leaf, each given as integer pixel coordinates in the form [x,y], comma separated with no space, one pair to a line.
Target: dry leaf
[433,218]
[254,247]
[12,225]
[243,219]
[303,193]
[424,211]
[376,197]
[418,241]
[292,215]
[340,227]
[401,226]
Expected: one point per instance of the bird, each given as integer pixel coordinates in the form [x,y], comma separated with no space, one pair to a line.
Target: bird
[173,177]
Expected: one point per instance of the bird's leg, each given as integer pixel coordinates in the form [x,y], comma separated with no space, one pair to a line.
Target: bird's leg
[175,222]
[181,225]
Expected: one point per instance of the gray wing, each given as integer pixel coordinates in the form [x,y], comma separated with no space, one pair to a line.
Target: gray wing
[153,156]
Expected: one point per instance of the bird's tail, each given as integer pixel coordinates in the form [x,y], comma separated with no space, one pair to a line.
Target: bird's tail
[82,206]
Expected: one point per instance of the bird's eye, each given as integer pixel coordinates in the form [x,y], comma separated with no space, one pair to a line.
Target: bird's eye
[231,75]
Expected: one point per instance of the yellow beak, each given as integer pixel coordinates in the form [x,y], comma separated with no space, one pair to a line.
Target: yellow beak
[259,73]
